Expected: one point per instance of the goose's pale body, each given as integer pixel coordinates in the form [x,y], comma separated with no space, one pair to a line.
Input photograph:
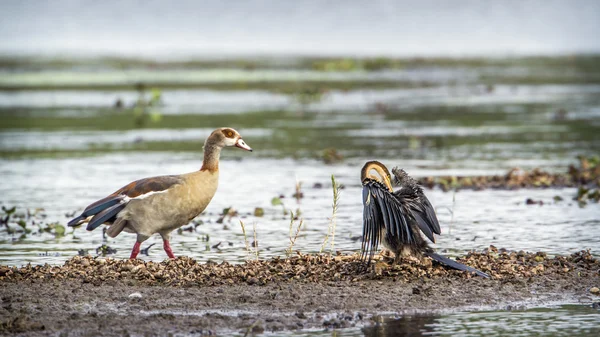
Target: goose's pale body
[164,203]
[147,215]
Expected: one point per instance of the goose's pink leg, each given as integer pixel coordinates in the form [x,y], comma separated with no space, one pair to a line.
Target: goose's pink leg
[136,250]
[167,248]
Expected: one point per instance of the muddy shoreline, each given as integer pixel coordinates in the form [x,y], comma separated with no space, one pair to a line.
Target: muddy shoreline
[89,297]
[585,173]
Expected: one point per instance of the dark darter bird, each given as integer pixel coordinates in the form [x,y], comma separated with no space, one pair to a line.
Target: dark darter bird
[396,219]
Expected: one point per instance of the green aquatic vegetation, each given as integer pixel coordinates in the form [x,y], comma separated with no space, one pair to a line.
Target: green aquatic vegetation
[331,156]
[23,226]
[191,227]
[5,218]
[585,195]
[382,63]
[344,64]
[587,172]
[228,213]
[305,141]
[104,250]
[582,62]
[54,228]
[23,222]
[276,201]
[277,86]
[314,134]
[111,120]
[146,110]
[259,212]
[8,211]
[307,96]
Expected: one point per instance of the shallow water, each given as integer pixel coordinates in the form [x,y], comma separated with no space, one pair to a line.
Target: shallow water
[558,320]
[473,220]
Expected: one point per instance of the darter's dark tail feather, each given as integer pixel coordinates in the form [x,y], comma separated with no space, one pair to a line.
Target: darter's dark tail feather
[456,265]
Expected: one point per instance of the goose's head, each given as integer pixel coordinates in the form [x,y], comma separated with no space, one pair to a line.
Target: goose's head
[375,170]
[223,137]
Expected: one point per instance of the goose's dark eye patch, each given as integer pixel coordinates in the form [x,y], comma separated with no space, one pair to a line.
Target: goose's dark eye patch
[228,133]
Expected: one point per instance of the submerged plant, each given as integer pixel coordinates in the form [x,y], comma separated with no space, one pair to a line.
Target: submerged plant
[191,227]
[332,221]
[229,212]
[277,201]
[23,225]
[8,212]
[259,212]
[585,195]
[146,109]
[308,95]
[54,228]
[331,156]
[105,250]
[26,222]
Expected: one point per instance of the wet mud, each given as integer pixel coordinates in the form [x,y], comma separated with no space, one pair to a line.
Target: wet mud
[95,296]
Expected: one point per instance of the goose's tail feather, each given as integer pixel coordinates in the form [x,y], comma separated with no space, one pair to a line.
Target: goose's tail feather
[456,265]
[105,215]
[100,211]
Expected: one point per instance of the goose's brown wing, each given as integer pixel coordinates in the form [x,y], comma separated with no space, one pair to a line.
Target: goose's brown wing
[106,209]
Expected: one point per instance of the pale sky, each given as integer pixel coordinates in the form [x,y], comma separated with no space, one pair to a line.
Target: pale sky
[395,28]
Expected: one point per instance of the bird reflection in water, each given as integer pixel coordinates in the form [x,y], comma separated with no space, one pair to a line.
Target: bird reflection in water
[405,326]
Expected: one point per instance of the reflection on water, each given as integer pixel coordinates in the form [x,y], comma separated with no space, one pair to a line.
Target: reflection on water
[565,320]
[405,326]
[562,320]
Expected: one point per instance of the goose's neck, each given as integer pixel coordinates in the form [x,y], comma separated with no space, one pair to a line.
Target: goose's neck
[212,153]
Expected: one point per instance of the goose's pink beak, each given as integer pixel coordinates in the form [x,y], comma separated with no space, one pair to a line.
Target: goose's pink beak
[242,145]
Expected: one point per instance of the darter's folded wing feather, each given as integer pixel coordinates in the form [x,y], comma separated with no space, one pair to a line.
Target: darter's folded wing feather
[382,215]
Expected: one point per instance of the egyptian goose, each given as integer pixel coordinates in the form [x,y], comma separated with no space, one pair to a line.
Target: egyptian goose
[162,204]
[396,218]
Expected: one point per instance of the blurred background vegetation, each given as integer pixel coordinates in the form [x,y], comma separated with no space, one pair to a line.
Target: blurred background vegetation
[306,80]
